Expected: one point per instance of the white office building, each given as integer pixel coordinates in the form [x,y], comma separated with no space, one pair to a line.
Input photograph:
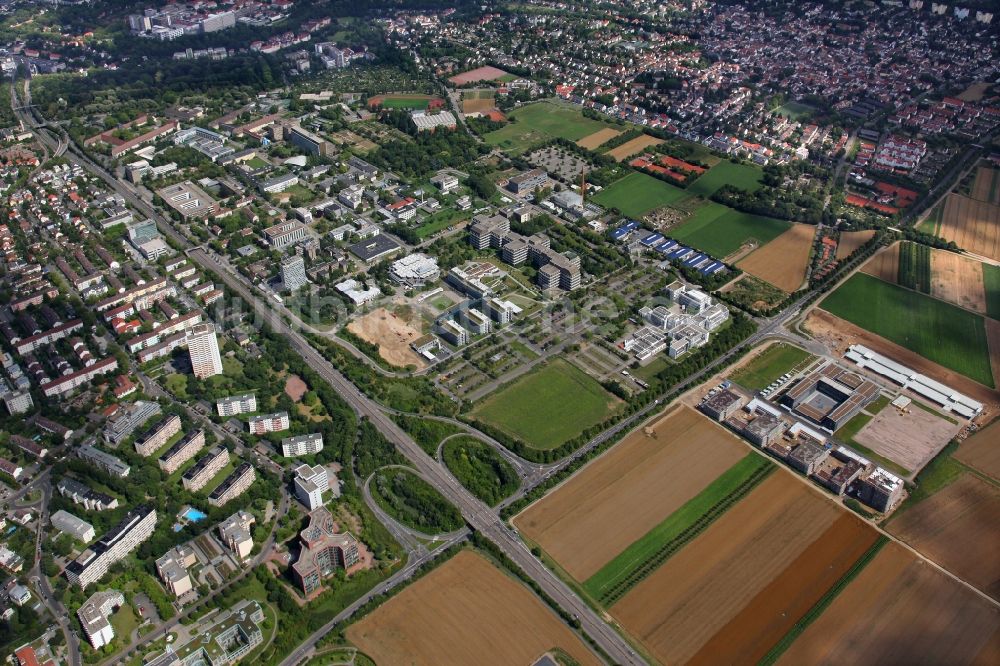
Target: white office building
[293,273]
[94,614]
[310,484]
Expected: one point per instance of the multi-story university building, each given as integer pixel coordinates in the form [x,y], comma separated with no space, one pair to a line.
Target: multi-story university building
[95,561]
[234,485]
[196,476]
[237,404]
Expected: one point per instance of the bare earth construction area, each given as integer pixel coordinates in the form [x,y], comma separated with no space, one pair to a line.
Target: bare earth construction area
[465,612]
[625,493]
[391,333]
[910,439]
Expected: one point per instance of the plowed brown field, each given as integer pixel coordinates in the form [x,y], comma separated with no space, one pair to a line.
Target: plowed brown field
[678,609]
[628,491]
[982,451]
[973,225]
[598,138]
[632,147]
[464,612]
[885,264]
[783,261]
[851,241]
[959,528]
[957,279]
[901,610]
[775,610]
[987,185]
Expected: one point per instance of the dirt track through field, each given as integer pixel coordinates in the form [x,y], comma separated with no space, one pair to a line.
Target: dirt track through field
[630,148]
[959,528]
[598,138]
[957,279]
[973,225]
[900,610]
[697,592]
[464,612]
[993,342]
[910,439]
[775,610]
[884,265]
[851,241]
[625,493]
[838,334]
[982,451]
[783,261]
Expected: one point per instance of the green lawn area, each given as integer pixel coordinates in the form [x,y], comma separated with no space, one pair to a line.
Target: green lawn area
[720,230]
[991,284]
[652,549]
[938,331]
[124,622]
[775,361]
[438,223]
[256,163]
[743,176]
[176,384]
[548,406]
[795,110]
[540,122]
[637,193]
[406,102]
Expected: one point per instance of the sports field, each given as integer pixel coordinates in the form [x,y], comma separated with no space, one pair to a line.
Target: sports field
[548,406]
[619,498]
[770,364]
[742,176]
[540,122]
[938,331]
[465,612]
[403,101]
[636,194]
[721,231]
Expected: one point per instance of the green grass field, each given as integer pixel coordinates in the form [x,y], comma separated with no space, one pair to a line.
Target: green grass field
[795,111]
[720,230]
[775,361]
[548,407]
[406,102]
[652,549]
[540,122]
[636,194]
[991,284]
[743,176]
[940,332]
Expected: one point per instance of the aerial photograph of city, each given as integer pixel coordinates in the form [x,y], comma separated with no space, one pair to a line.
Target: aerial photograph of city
[499,332]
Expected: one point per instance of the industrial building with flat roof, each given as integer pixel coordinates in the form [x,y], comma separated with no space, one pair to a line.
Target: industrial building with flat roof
[189,200]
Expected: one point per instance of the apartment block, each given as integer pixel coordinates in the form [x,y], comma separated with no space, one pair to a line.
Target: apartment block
[237,404]
[94,562]
[94,614]
[234,485]
[173,567]
[310,484]
[105,461]
[158,435]
[323,551]
[266,423]
[203,471]
[236,533]
[182,451]
[302,445]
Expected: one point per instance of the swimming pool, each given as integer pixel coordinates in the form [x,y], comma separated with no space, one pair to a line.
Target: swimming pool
[194,515]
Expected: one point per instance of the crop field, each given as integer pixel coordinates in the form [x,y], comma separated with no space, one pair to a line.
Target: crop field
[938,331]
[959,528]
[598,138]
[851,241]
[963,281]
[737,589]
[451,616]
[900,610]
[540,122]
[741,176]
[914,270]
[909,439]
[884,264]
[636,145]
[987,185]
[783,261]
[620,497]
[549,406]
[636,194]
[991,288]
[770,364]
[980,451]
[973,225]
[721,231]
